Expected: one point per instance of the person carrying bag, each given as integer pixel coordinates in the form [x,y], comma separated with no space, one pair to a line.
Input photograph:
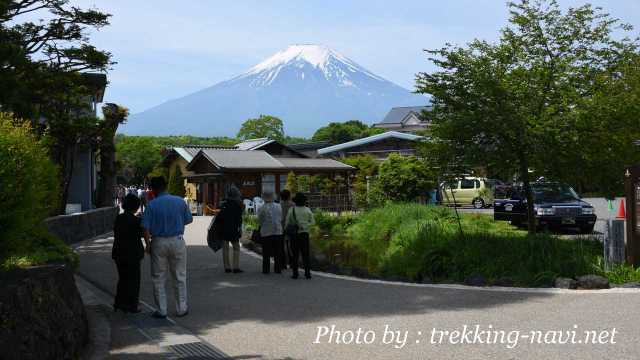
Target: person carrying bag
[298,225]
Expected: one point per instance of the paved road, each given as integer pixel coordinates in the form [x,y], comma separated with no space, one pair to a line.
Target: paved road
[253,316]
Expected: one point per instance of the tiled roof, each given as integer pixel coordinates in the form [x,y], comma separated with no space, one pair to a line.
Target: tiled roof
[253,144]
[370,139]
[397,114]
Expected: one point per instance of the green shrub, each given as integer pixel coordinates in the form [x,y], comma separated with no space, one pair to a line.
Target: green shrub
[250,222]
[620,274]
[416,241]
[175,185]
[28,192]
[405,178]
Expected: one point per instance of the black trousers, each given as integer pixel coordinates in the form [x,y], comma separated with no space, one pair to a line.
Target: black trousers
[128,290]
[300,246]
[272,246]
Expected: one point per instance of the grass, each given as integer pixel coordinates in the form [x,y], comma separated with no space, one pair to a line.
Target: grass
[42,248]
[418,242]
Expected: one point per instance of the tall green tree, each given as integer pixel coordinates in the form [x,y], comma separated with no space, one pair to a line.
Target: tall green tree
[338,133]
[265,126]
[175,185]
[114,115]
[137,157]
[40,65]
[512,105]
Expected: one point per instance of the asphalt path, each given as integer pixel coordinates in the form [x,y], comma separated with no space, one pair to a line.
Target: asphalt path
[256,316]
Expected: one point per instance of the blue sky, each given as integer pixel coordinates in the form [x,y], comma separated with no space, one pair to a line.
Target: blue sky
[166,49]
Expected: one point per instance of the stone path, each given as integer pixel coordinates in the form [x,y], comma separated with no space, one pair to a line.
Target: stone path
[256,316]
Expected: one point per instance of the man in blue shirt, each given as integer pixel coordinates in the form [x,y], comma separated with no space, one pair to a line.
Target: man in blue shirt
[164,220]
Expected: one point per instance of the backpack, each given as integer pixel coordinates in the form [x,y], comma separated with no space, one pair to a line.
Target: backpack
[292,228]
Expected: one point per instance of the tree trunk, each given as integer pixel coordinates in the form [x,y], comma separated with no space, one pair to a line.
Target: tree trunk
[114,115]
[66,163]
[524,169]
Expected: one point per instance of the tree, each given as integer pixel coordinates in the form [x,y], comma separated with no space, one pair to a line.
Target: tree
[512,106]
[338,133]
[367,169]
[29,191]
[292,183]
[265,126]
[114,115]
[40,65]
[405,178]
[137,156]
[175,185]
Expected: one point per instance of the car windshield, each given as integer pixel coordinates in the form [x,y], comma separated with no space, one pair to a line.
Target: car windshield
[554,193]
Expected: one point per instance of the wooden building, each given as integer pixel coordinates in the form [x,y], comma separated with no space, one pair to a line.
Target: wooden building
[405,119]
[253,171]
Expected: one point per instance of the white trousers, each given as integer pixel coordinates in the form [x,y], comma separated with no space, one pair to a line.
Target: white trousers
[169,254]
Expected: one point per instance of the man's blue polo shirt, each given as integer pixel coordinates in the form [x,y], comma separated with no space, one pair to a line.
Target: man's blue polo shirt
[166,216]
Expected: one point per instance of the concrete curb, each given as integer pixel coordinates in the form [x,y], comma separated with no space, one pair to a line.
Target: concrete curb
[98,318]
[466,287]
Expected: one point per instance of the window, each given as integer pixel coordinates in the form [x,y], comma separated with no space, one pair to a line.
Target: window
[477,182]
[466,184]
[268,183]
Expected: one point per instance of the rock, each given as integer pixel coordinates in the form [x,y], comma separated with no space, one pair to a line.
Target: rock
[504,282]
[629,285]
[592,282]
[476,280]
[361,273]
[42,314]
[565,283]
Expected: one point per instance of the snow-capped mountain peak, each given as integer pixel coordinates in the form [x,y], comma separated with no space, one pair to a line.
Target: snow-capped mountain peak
[331,63]
[307,86]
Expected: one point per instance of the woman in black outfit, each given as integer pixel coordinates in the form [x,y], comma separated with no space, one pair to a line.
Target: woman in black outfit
[230,219]
[127,252]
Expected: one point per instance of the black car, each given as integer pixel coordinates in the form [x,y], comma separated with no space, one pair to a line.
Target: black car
[556,205]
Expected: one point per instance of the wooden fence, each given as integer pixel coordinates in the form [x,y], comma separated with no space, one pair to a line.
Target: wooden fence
[340,202]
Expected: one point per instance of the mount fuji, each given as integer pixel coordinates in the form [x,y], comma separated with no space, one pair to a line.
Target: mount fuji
[307,86]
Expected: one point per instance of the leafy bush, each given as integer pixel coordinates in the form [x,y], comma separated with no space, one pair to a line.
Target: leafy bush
[250,222]
[175,185]
[404,178]
[28,194]
[415,241]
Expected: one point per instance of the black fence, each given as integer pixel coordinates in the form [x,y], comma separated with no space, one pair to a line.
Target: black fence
[339,202]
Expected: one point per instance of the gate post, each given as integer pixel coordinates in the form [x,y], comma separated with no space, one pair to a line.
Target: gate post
[632,204]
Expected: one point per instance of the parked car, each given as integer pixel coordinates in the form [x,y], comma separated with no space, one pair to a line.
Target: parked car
[469,191]
[555,205]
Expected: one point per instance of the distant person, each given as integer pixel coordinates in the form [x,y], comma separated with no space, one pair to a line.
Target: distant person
[143,199]
[164,221]
[286,204]
[230,220]
[270,220]
[127,253]
[302,217]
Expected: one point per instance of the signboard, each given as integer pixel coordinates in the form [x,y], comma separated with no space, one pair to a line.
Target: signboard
[632,207]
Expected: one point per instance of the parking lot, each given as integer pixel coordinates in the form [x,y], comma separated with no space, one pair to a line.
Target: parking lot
[600,205]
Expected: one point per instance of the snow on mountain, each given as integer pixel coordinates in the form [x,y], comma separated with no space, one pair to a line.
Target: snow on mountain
[307,86]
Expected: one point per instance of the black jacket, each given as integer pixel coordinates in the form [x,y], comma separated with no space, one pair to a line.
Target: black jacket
[230,220]
[127,243]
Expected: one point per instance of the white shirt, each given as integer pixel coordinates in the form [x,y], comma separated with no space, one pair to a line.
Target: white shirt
[270,219]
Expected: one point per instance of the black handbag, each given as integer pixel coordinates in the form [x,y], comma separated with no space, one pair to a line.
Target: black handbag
[292,228]
[214,240]
[255,236]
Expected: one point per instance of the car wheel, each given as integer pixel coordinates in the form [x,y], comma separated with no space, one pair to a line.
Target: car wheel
[478,203]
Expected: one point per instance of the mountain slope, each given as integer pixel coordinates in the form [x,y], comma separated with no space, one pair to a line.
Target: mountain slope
[307,86]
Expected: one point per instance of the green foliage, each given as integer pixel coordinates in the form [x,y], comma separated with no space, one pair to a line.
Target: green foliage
[367,169]
[292,183]
[338,133]
[515,105]
[175,184]
[265,126]
[405,178]
[415,242]
[29,193]
[250,222]
[622,273]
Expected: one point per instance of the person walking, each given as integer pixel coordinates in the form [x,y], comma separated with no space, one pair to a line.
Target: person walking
[230,220]
[301,217]
[127,253]
[270,220]
[286,204]
[164,221]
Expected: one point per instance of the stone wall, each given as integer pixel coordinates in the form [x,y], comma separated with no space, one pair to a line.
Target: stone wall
[82,226]
[41,314]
